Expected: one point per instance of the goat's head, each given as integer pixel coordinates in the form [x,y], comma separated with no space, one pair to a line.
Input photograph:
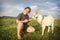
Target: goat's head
[35,16]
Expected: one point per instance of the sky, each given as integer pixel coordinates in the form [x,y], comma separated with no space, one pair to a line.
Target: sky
[14,7]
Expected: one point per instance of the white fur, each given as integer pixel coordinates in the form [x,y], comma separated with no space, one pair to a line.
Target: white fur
[46,21]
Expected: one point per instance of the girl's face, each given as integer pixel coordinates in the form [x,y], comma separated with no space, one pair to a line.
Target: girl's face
[26,11]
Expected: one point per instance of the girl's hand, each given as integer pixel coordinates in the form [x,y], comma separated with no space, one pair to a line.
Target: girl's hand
[26,20]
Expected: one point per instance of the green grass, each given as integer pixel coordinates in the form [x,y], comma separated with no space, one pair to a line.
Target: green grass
[8,31]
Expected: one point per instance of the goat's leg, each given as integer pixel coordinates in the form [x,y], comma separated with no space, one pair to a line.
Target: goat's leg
[48,28]
[43,29]
[52,28]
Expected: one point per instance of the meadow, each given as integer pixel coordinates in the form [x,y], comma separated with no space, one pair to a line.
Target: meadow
[8,30]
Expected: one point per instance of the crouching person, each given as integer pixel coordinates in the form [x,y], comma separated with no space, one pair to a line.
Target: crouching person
[22,20]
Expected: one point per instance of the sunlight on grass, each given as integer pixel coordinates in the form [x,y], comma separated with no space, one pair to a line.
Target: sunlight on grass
[8,31]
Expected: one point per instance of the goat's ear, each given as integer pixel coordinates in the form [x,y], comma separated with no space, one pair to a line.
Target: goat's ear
[36,13]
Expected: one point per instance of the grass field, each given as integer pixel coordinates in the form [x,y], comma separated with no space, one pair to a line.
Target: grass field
[8,30]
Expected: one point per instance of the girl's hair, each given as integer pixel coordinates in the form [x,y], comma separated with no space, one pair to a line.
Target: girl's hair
[28,8]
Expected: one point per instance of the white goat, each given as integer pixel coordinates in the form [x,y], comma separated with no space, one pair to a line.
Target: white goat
[44,21]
